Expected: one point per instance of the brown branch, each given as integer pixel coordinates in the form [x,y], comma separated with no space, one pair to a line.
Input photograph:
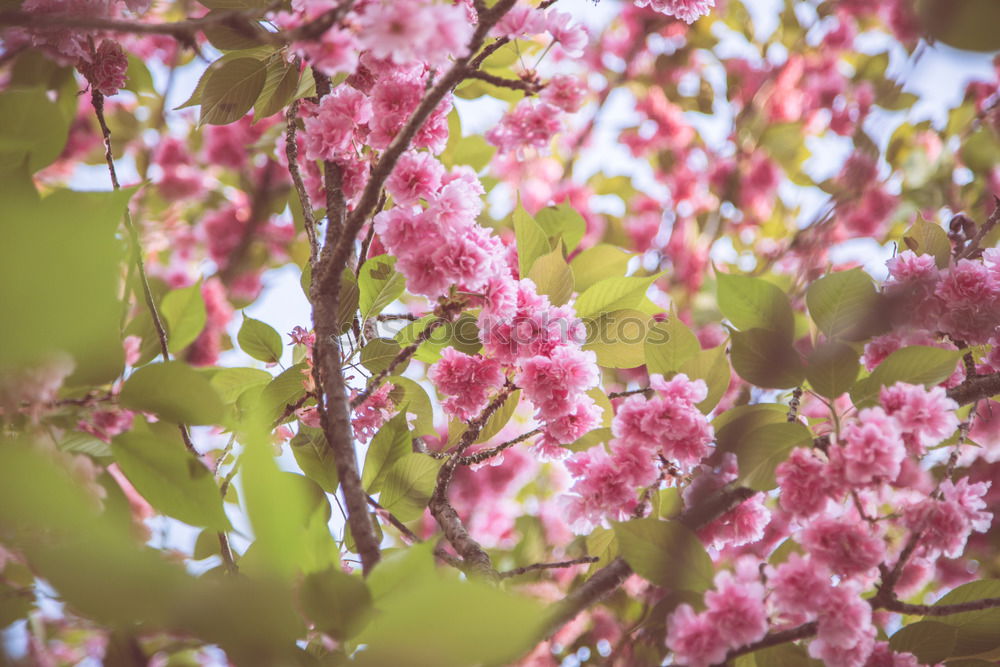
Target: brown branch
[486,454]
[986,228]
[774,639]
[630,392]
[528,86]
[610,577]
[292,153]
[185,31]
[476,560]
[940,610]
[548,566]
[974,389]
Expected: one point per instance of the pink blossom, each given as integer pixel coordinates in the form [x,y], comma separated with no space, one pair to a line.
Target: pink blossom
[883,656]
[926,417]
[520,21]
[908,266]
[836,656]
[744,524]
[531,123]
[336,122]
[416,176]
[572,38]
[799,585]
[636,463]
[372,413]
[334,52]
[584,416]
[566,92]
[107,68]
[844,617]
[736,608]
[805,483]
[467,380]
[685,10]
[873,449]
[106,424]
[847,546]
[694,638]
[553,382]
[407,30]
[600,490]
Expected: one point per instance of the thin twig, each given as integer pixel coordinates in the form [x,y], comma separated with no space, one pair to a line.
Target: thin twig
[292,153]
[487,454]
[548,566]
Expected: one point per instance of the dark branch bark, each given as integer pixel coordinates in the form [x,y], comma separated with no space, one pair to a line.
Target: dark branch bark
[610,577]
[548,566]
[940,610]
[975,389]
[775,638]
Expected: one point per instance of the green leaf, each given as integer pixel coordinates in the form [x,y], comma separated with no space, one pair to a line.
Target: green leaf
[279,88]
[977,630]
[930,641]
[231,90]
[173,481]
[440,622]
[916,364]
[184,310]
[532,242]
[602,543]
[174,391]
[666,553]
[281,392]
[259,340]
[391,444]
[597,263]
[669,344]
[231,382]
[413,396]
[840,302]
[783,655]
[766,359]
[315,457]
[832,369]
[32,126]
[500,417]
[618,338]
[473,151]
[552,276]
[753,303]
[712,366]
[408,485]
[378,353]
[613,294]
[562,222]
[338,603]
[760,452]
[400,569]
[379,284]
[732,425]
[234,34]
[926,238]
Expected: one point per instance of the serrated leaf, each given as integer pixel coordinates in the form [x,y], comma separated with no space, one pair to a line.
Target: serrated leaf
[977,630]
[595,264]
[665,553]
[279,88]
[532,242]
[315,458]
[500,417]
[379,284]
[613,294]
[338,603]
[832,369]
[618,338]
[840,302]
[378,353]
[408,485]
[259,340]
[231,382]
[173,481]
[754,303]
[930,641]
[564,223]
[283,391]
[916,364]
[552,276]
[235,34]
[413,396]
[391,444]
[184,310]
[766,359]
[174,391]
[231,90]
[763,448]
[668,345]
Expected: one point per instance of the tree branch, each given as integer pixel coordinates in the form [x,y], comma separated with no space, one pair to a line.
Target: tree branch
[976,388]
[548,566]
[487,454]
[610,577]
[292,153]
[940,610]
[774,639]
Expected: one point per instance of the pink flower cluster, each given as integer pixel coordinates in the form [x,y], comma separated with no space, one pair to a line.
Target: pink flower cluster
[106,68]
[668,425]
[962,300]
[372,413]
[532,123]
[946,522]
[685,10]
[523,21]
[735,615]
[467,380]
